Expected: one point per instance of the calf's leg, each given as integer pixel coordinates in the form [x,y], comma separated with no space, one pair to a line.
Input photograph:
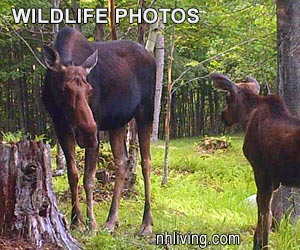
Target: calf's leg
[264,197]
[118,146]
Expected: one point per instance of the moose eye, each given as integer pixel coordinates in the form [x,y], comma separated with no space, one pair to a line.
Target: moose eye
[89,91]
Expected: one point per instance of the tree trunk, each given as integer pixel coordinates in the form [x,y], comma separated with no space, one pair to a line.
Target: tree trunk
[112,23]
[168,115]
[130,181]
[28,207]
[287,201]
[75,7]
[55,4]
[173,118]
[160,56]
[60,158]
[142,25]
[99,31]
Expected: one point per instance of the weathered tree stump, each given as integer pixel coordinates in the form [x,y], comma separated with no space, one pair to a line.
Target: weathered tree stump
[28,207]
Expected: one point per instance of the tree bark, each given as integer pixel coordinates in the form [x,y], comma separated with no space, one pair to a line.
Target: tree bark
[112,23]
[55,4]
[60,158]
[28,207]
[287,201]
[160,57]
[99,31]
[133,153]
[75,7]
[168,115]
[142,25]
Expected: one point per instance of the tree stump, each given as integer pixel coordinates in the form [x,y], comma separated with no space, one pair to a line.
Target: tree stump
[28,207]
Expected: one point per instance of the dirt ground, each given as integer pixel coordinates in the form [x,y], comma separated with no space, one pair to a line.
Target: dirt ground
[13,243]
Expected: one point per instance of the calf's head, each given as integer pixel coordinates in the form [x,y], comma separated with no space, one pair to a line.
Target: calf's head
[74,90]
[240,99]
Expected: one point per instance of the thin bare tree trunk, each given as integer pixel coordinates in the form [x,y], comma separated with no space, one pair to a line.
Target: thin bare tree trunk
[142,26]
[160,56]
[112,23]
[28,207]
[168,115]
[99,32]
[75,7]
[55,5]
[133,154]
[60,158]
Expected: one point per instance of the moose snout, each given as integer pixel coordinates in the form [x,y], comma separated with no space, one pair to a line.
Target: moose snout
[225,119]
[222,117]
[87,138]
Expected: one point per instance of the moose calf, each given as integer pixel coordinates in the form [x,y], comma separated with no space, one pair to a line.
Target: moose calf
[271,145]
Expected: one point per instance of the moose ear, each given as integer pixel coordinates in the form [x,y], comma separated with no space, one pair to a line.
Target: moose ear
[253,83]
[52,59]
[222,82]
[90,62]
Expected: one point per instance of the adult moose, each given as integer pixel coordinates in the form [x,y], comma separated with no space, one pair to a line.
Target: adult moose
[100,86]
[271,145]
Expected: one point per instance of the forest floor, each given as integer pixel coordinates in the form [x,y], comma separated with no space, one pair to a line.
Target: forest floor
[206,195]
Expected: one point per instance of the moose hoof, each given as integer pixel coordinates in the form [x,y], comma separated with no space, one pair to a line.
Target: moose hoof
[77,221]
[110,226]
[93,226]
[77,226]
[146,230]
[258,246]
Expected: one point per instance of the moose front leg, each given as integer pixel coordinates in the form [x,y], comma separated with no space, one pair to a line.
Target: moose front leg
[118,146]
[67,142]
[91,160]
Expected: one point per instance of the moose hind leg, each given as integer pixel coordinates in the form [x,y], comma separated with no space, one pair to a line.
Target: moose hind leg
[91,160]
[144,133]
[118,146]
[264,198]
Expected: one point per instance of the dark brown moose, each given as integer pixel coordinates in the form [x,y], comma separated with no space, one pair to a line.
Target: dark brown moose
[100,86]
[271,145]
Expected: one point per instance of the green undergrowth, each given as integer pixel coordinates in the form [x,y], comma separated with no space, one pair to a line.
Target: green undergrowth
[205,195]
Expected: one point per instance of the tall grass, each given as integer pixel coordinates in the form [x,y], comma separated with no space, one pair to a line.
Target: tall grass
[205,195]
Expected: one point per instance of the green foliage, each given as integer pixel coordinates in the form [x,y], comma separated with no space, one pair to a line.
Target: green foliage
[41,137]
[19,135]
[105,156]
[11,137]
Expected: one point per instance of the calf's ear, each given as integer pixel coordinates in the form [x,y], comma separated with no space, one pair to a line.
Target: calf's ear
[222,82]
[90,62]
[253,83]
[52,59]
